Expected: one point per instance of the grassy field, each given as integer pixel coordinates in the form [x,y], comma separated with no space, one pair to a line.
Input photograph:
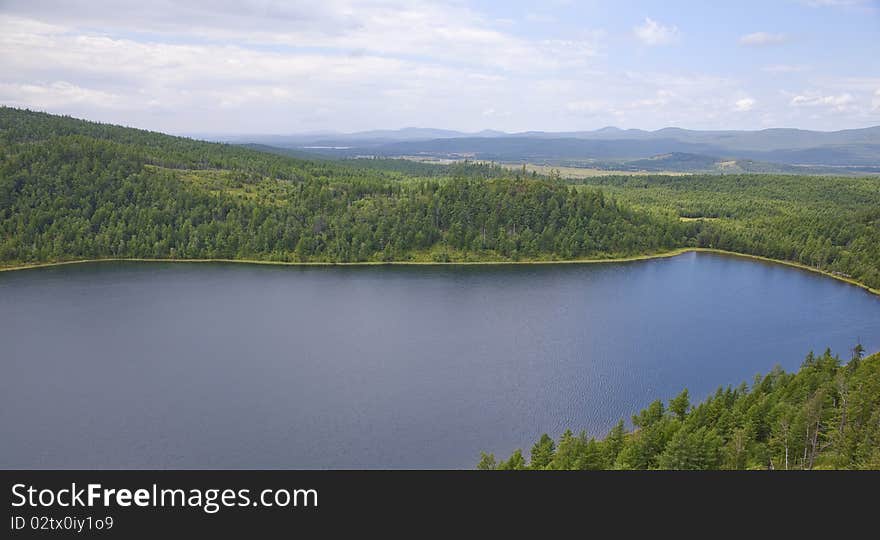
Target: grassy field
[578,173]
[575,173]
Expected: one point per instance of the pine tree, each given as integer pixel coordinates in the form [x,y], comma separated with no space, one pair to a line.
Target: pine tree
[542,452]
[487,462]
[680,404]
[516,462]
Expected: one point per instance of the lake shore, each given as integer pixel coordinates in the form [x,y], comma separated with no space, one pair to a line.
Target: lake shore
[663,255]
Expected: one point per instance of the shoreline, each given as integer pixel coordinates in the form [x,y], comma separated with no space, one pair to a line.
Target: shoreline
[664,255]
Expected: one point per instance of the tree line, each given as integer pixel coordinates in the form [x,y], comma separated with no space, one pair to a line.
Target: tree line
[825,416]
[829,223]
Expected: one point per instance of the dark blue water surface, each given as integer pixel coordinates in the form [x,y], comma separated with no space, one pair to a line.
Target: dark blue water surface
[135,365]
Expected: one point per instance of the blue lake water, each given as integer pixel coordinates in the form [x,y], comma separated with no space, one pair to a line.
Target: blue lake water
[157,365]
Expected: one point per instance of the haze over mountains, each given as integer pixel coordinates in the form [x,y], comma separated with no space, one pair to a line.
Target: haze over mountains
[768,150]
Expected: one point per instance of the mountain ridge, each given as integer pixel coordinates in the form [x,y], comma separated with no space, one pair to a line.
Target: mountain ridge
[857,149]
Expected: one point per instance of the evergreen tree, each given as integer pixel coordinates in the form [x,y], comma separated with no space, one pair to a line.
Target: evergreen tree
[824,416]
[515,462]
[487,462]
[542,452]
[680,404]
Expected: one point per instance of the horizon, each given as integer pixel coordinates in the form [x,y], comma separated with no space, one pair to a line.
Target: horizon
[484,130]
[347,66]
[196,134]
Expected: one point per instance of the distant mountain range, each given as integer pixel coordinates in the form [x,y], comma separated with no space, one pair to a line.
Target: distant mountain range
[768,150]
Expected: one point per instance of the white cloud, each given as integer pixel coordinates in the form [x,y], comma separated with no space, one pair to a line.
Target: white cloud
[425,60]
[762,38]
[875,103]
[92,74]
[839,102]
[397,28]
[744,104]
[653,33]
[58,93]
[268,66]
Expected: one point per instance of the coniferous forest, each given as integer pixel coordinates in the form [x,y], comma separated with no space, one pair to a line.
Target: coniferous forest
[72,189]
[825,416]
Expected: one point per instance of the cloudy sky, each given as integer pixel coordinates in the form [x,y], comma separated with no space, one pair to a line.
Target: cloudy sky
[262,66]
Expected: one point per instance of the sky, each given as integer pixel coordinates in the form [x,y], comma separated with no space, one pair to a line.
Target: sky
[282,67]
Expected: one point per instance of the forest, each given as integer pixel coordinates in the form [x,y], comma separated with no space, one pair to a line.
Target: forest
[829,223]
[72,189]
[825,416]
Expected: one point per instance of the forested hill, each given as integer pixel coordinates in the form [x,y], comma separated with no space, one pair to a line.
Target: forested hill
[825,416]
[22,127]
[71,189]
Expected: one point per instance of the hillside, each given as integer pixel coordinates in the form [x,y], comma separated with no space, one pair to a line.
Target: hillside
[71,189]
[825,416]
[828,223]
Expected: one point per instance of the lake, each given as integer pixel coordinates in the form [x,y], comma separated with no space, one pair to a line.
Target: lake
[202,365]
